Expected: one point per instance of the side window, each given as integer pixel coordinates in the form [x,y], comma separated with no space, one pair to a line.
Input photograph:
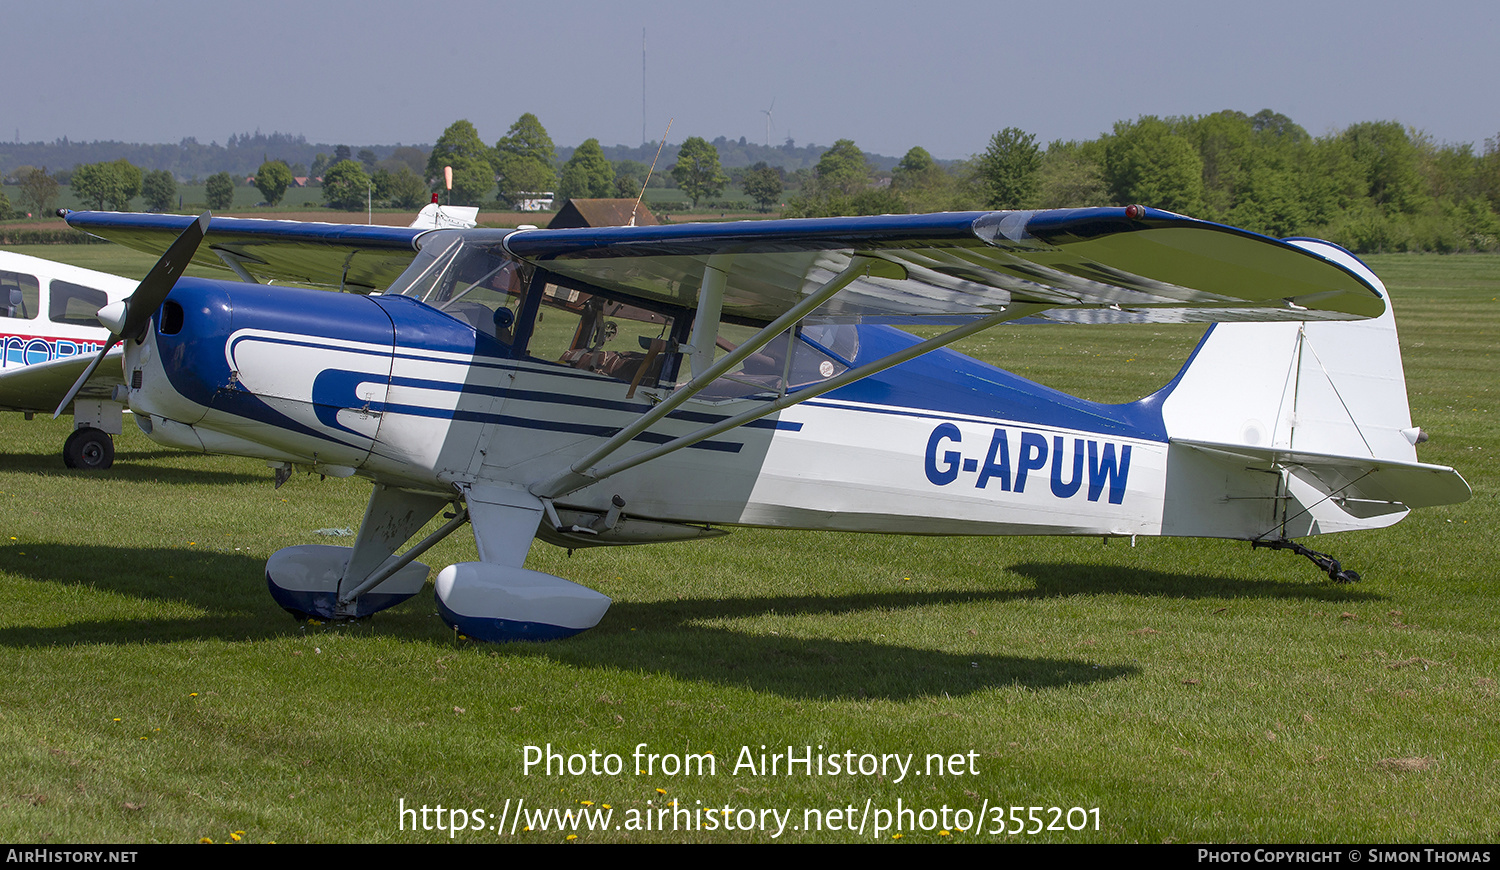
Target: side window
[819,351]
[19,295]
[75,304]
[595,334]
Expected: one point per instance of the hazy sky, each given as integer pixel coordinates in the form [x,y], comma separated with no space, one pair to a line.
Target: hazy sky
[889,75]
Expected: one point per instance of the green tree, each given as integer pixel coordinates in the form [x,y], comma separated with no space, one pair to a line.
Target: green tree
[588,173]
[114,183]
[219,191]
[6,212]
[1388,159]
[461,148]
[1226,144]
[763,184]
[1008,168]
[346,186]
[1147,162]
[160,190]
[272,179]
[843,169]
[917,171]
[697,170]
[1274,124]
[402,188]
[130,184]
[524,160]
[38,189]
[320,165]
[1071,175]
[412,156]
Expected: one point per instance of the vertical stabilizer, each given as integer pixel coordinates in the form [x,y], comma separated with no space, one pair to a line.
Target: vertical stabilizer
[1280,430]
[1331,387]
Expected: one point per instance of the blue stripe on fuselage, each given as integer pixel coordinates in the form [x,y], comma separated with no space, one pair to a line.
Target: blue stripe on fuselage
[947,383]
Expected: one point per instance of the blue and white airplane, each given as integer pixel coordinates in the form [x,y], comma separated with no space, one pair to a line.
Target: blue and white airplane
[48,316]
[630,385]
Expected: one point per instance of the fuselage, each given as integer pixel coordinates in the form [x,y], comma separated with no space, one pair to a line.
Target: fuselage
[391,389]
[47,313]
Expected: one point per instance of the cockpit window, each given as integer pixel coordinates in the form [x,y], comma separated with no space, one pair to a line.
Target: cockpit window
[596,334]
[818,352]
[19,294]
[477,283]
[75,304]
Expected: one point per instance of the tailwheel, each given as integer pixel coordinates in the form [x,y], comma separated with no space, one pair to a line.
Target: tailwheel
[1326,563]
[89,449]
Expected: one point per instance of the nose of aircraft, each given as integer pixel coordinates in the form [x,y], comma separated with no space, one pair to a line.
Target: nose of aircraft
[240,365]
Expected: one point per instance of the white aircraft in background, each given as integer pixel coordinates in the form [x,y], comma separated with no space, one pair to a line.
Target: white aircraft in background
[627,385]
[47,327]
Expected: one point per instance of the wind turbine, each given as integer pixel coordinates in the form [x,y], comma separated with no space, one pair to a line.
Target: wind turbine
[767,113]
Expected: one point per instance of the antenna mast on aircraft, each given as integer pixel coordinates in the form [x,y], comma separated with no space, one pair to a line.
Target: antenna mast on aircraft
[637,206]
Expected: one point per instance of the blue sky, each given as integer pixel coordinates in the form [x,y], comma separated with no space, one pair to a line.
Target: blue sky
[889,75]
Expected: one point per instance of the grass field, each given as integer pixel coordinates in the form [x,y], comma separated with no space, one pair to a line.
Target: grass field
[1189,690]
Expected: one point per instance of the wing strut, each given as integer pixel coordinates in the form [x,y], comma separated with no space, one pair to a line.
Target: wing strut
[235,264]
[575,479]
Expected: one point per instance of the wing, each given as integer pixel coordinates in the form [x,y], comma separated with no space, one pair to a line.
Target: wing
[348,256]
[1098,265]
[41,386]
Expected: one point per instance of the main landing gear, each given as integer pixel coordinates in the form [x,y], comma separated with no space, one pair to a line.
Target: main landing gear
[1326,563]
[89,449]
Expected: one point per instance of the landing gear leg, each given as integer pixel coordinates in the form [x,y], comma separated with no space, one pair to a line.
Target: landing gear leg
[342,583]
[89,449]
[1326,563]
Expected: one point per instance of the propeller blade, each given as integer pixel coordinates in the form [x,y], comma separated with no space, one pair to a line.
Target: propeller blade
[148,296]
[153,289]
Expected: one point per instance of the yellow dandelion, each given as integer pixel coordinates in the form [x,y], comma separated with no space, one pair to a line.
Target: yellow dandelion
[944,833]
[116,719]
[572,836]
[895,836]
[587,803]
[205,839]
[661,791]
[192,694]
[236,836]
[607,806]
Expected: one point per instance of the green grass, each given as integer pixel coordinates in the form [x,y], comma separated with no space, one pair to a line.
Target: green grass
[1191,690]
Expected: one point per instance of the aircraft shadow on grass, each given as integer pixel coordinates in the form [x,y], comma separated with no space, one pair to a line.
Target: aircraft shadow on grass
[130,468]
[666,637]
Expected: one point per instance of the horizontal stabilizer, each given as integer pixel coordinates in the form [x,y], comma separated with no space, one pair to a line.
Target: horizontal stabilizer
[1361,481]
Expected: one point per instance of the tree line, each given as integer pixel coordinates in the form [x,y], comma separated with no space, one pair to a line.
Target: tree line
[1374,186]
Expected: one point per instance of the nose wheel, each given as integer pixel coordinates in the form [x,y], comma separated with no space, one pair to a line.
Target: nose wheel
[89,449]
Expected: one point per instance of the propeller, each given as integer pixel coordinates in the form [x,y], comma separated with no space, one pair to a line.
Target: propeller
[128,317]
